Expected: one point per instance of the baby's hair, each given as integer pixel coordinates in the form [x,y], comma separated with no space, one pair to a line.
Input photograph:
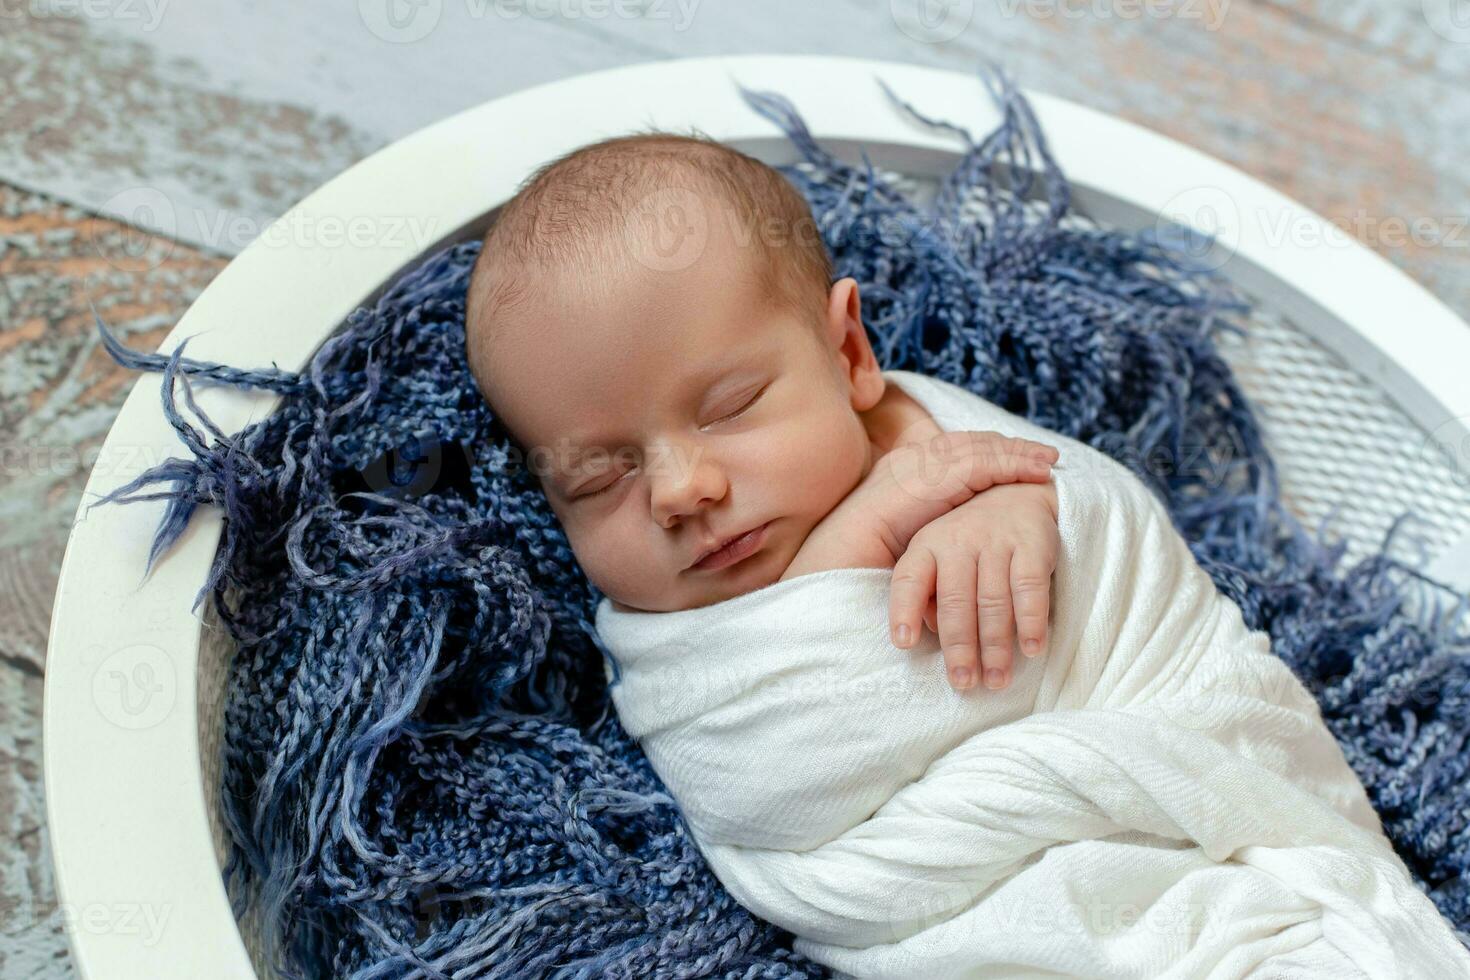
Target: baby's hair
[572,210]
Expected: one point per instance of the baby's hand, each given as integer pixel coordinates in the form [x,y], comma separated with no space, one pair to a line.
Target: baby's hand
[909,487]
[995,555]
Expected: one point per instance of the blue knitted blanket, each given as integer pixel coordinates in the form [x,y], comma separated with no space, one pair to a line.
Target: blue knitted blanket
[422,773]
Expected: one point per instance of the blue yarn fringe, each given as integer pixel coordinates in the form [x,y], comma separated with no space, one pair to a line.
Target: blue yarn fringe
[422,773]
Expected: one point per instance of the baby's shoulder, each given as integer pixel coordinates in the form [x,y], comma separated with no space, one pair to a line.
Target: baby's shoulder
[1088,477]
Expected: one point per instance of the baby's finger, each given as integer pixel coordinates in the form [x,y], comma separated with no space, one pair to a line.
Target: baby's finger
[931,616]
[958,632]
[1016,460]
[996,627]
[958,465]
[1024,449]
[908,595]
[1033,448]
[1031,591]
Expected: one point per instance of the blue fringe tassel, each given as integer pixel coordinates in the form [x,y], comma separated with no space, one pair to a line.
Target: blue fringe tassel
[423,776]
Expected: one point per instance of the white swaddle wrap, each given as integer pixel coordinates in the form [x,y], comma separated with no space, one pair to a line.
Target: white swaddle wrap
[1155,796]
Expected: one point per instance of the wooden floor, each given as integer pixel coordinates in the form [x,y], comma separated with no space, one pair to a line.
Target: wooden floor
[189,126]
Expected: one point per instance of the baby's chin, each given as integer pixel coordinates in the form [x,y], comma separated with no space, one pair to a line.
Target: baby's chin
[706,588]
[768,573]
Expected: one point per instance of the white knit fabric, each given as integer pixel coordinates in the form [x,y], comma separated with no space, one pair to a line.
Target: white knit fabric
[1155,796]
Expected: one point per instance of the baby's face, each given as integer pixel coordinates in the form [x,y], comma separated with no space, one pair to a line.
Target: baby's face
[667,412]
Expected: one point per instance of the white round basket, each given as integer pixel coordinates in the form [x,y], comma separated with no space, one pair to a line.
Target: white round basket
[1357,371]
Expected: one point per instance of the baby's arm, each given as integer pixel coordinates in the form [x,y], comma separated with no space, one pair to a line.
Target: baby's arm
[913,486]
[909,487]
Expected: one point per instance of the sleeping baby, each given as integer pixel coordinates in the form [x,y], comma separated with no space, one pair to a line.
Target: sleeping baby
[1147,791]
[719,451]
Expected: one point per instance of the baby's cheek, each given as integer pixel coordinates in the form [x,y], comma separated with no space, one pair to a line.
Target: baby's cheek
[618,561]
[823,464]
[588,553]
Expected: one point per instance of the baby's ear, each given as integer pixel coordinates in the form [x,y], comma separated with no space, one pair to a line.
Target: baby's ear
[848,338]
[844,305]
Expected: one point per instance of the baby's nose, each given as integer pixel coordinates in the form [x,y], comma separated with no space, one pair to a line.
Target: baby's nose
[682,490]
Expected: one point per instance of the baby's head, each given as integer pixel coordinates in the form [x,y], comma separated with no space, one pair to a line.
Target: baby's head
[652,318]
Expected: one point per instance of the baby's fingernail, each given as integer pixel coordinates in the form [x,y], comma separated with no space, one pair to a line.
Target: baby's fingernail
[961,677]
[905,635]
[1032,647]
[995,678]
